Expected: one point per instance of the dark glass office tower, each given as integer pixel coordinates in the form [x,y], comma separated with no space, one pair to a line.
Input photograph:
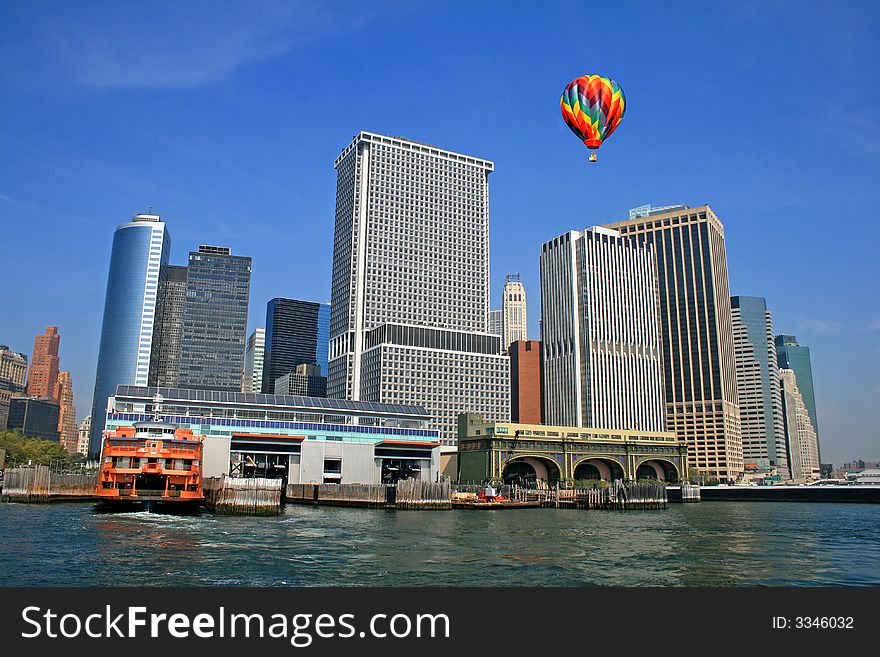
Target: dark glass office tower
[168,327]
[214,320]
[696,332]
[793,356]
[297,333]
[35,417]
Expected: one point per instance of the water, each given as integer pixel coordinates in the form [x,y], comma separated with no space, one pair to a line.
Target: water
[707,544]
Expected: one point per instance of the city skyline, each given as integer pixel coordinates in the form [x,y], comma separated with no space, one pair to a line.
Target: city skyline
[777,223]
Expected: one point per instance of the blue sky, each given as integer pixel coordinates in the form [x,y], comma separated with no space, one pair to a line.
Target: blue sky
[225,118]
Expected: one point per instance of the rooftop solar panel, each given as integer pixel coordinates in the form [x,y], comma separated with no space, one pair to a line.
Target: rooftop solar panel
[290,401]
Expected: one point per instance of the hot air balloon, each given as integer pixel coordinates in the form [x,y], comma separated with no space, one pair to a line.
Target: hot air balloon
[592,106]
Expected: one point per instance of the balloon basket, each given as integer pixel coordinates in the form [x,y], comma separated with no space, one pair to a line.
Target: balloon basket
[593,157]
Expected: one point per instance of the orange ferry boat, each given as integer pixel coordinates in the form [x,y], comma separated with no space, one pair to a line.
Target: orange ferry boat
[151,465]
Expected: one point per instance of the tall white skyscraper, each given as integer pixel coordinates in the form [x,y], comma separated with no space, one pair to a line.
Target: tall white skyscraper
[410,287]
[757,384]
[513,307]
[803,445]
[601,332]
[252,379]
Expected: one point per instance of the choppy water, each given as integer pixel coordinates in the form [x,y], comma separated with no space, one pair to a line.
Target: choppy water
[712,543]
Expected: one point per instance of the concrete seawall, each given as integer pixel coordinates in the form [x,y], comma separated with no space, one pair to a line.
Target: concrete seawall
[863,494]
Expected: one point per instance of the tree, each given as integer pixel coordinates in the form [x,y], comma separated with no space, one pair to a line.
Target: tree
[20,449]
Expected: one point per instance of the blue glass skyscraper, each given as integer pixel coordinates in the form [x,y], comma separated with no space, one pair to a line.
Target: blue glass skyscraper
[214,319]
[757,382]
[140,248]
[323,354]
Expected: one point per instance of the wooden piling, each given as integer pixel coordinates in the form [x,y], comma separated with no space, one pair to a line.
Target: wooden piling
[237,496]
[37,484]
[407,494]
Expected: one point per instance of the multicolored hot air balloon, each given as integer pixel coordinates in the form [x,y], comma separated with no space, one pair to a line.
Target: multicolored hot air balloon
[592,106]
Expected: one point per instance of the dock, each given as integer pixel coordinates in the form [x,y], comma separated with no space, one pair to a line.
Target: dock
[234,496]
[495,506]
[38,485]
[852,493]
[684,493]
[617,495]
[408,494]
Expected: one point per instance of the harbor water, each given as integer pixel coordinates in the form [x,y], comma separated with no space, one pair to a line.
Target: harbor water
[707,544]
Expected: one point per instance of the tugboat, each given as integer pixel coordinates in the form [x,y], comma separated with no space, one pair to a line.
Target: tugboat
[151,466]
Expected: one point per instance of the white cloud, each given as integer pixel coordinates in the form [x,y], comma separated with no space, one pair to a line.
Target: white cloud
[818,326]
[187,43]
[825,327]
[14,203]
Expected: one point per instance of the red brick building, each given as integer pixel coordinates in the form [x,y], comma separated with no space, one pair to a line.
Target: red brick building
[43,377]
[526,382]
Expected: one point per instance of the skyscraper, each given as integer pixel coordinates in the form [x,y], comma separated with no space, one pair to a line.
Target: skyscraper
[297,333]
[168,327]
[696,332]
[67,429]
[140,248]
[252,379]
[757,383]
[36,417]
[793,356]
[323,358]
[800,434]
[526,382]
[13,379]
[513,309]
[85,428]
[214,320]
[496,322]
[601,346]
[304,381]
[410,286]
[43,377]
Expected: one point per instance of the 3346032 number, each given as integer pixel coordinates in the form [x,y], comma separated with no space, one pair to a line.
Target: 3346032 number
[823,622]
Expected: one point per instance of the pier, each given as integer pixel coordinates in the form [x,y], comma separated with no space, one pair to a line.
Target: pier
[852,493]
[617,495]
[233,496]
[684,493]
[407,494]
[38,484]
[265,497]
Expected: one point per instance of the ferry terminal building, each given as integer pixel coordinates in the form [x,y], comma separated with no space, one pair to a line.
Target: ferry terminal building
[297,439]
[526,453]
